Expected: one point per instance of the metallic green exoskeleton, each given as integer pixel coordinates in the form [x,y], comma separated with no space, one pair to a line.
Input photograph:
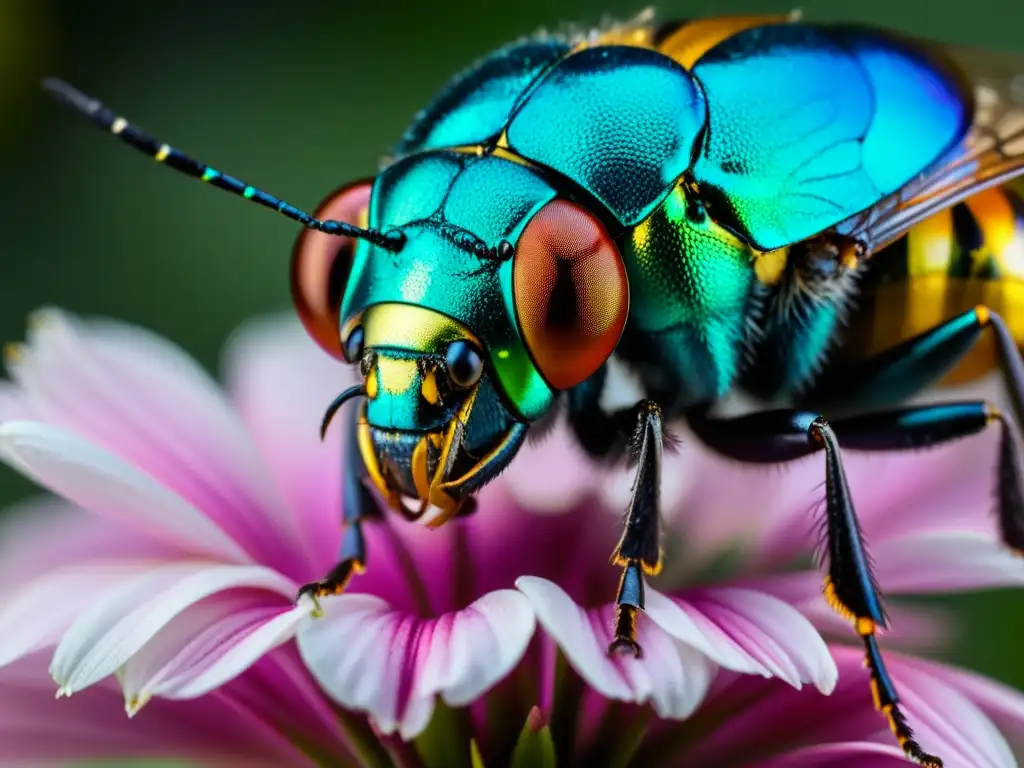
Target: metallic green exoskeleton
[700,200]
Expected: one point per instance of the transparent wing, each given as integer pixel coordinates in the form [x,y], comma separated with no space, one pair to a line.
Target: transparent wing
[991,155]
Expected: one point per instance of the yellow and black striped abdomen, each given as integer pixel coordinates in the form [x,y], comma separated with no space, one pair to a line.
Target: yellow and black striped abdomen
[970,254]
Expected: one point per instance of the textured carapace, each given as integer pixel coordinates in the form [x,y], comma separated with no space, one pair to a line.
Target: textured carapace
[321,264]
[571,293]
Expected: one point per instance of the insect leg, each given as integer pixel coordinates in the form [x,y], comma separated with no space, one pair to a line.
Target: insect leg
[895,374]
[850,587]
[639,550]
[357,503]
[900,372]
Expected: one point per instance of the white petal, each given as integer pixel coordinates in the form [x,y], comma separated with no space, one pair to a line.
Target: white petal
[570,626]
[393,665]
[749,631]
[673,676]
[119,624]
[111,488]
[282,382]
[140,397]
[34,614]
[208,644]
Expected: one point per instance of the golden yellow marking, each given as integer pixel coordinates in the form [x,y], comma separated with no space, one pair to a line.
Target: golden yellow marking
[365,442]
[850,255]
[930,245]
[984,316]
[770,266]
[907,308]
[429,388]
[693,40]
[655,569]
[876,693]
[14,352]
[372,384]
[865,626]
[118,125]
[507,154]
[162,153]
[396,376]
[410,327]
[992,414]
[995,218]
[420,476]
[835,603]
[438,495]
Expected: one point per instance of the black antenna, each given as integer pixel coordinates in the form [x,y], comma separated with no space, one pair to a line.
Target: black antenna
[359,390]
[100,114]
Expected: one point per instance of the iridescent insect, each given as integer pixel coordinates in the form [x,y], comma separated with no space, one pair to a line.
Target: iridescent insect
[700,199]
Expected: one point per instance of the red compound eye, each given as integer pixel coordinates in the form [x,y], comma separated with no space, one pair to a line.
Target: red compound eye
[321,264]
[571,293]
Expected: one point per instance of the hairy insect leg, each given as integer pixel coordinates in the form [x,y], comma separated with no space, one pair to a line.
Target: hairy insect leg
[357,504]
[639,550]
[603,435]
[850,587]
[895,374]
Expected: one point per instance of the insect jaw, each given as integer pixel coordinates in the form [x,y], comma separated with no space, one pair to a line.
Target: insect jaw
[443,473]
[429,467]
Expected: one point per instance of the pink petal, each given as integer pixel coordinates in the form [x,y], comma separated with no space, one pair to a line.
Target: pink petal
[551,475]
[439,571]
[37,730]
[773,510]
[1002,704]
[119,623]
[946,723]
[944,488]
[209,643]
[855,754]
[748,631]
[673,676]
[393,665]
[911,627]
[946,561]
[145,400]
[915,627]
[36,613]
[282,383]
[110,487]
[759,715]
[47,533]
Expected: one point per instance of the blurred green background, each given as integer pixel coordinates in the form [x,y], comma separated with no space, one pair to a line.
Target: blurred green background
[295,97]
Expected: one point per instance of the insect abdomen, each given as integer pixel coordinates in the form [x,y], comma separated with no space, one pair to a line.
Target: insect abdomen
[970,254]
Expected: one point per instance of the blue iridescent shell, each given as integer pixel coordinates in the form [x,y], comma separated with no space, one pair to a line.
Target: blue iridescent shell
[475,106]
[810,125]
[620,122]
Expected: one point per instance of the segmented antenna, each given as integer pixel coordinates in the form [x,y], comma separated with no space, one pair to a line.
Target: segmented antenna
[105,118]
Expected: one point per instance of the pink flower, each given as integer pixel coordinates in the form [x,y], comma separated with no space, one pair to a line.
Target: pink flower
[163,581]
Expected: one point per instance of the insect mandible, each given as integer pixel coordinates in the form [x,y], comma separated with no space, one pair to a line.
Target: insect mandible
[702,200]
